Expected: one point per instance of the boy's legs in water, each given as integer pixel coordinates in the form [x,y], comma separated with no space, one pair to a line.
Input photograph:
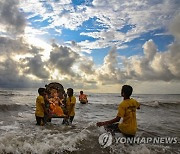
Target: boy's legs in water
[68,121]
[71,119]
[40,121]
[47,118]
[113,128]
[65,121]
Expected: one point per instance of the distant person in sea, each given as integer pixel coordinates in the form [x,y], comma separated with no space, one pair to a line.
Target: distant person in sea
[127,111]
[83,98]
[70,106]
[40,107]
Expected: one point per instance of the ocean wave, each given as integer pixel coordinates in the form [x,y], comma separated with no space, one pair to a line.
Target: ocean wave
[28,138]
[6,93]
[12,107]
[155,104]
[50,139]
[13,93]
[160,104]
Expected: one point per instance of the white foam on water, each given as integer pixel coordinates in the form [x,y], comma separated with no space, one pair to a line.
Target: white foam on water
[10,127]
[26,115]
[6,149]
[151,103]
[20,114]
[40,140]
[24,137]
[133,149]
[140,150]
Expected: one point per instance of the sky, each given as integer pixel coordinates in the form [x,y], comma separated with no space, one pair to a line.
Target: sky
[91,45]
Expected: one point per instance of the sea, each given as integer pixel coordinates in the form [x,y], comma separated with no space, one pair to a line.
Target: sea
[158,117]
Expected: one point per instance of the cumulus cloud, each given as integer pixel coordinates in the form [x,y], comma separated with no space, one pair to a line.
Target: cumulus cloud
[18,60]
[10,17]
[173,61]
[62,58]
[76,68]
[138,15]
[9,75]
[109,22]
[35,66]
[109,72]
[155,65]
[86,66]
[15,46]
[174,27]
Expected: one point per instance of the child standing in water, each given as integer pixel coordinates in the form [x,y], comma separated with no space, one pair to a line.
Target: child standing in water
[70,104]
[127,111]
[40,107]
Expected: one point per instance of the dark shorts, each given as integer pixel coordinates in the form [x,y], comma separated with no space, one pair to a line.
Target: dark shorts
[113,128]
[47,118]
[39,120]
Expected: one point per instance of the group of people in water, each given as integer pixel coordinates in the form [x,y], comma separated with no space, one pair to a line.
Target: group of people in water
[55,104]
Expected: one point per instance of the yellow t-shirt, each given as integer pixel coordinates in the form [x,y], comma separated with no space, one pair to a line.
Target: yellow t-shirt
[127,111]
[70,104]
[39,106]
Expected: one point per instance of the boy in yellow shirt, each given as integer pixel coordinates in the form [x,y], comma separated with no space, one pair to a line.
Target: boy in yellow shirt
[40,107]
[70,106]
[127,111]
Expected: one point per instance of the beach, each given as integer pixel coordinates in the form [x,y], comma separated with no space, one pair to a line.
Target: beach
[158,117]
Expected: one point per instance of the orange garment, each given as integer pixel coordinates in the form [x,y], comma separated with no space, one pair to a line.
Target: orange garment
[56,109]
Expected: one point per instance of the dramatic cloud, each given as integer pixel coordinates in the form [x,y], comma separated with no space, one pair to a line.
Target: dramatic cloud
[27,57]
[138,16]
[87,66]
[10,17]
[35,66]
[108,23]
[154,65]
[10,76]
[62,59]
[15,46]
[17,61]
[174,27]
[109,72]
[163,66]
